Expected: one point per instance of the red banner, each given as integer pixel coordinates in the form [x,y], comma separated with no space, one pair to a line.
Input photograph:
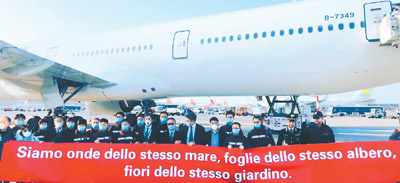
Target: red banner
[89,162]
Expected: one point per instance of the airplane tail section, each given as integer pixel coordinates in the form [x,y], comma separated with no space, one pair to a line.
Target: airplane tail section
[169,102]
[192,101]
[212,101]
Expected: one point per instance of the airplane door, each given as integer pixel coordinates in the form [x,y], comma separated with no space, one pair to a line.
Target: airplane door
[180,44]
[373,14]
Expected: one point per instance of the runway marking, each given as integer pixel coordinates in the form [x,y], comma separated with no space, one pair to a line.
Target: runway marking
[365,134]
[381,130]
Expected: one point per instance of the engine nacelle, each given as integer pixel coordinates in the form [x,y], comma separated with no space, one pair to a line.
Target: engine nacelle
[111,107]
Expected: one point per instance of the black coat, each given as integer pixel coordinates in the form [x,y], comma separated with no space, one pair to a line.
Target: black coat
[47,135]
[314,134]
[83,137]
[125,137]
[236,141]
[66,135]
[221,135]
[289,137]
[199,135]
[260,137]
[103,137]
[5,137]
[141,138]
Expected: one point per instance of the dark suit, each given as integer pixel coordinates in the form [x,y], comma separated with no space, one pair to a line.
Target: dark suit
[163,136]
[221,139]
[141,138]
[199,135]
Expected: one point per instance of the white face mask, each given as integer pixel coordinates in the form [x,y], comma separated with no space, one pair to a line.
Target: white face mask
[1,126]
[148,122]
[26,134]
[59,125]
[214,127]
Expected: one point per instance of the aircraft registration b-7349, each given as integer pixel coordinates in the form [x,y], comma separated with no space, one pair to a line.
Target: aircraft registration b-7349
[299,48]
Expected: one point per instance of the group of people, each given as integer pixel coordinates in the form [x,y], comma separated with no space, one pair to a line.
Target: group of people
[162,131]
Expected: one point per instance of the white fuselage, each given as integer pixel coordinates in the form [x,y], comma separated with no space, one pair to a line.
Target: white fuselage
[308,63]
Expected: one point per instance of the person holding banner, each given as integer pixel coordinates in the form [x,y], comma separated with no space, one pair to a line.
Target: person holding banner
[139,124]
[289,135]
[227,129]
[116,129]
[103,135]
[237,139]
[67,134]
[24,134]
[59,124]
[44,133]
[94,126]
[215,137]
[317,133]
[192,133]
[6,133]
[126,135]
[172,136]
[81,135]
[147,133]
[259,136]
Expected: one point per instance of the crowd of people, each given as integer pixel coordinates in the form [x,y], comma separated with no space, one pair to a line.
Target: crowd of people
[161,129]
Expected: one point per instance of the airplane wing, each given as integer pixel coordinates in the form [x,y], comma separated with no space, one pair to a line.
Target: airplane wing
[35,74]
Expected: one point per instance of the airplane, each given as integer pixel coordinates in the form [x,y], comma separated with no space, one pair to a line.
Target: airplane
[311,47]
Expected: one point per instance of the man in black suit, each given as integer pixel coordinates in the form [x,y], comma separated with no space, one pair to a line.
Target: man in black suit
[168,134]
[215,137]
[192,133]
[147,133]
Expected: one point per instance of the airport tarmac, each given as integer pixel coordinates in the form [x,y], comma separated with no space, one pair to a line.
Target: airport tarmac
[345,128]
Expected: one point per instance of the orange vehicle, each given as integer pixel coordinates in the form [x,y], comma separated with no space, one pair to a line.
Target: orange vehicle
[243,110]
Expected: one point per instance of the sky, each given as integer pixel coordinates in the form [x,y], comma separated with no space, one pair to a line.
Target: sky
[24,21]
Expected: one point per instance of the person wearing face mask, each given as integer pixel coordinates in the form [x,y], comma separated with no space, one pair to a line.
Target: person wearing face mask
[192,133]
[163,121]
[289,135]
[258,136]
[266,123]
[102,135]
[67,134]
[19,121]
[147,132]
[214,137]
[59,125]
[94,126]
[162,128]
[24,134]
[6,133]
[317,133]
[81,135]
[227,129]
[171,136]
[126,135]
[139,123]
[44,133]
[116,129]
[237,139]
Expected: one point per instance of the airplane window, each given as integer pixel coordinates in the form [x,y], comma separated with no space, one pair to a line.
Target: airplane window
[97,52]
[352,25]
[362,24]
[290,31]
[145,46]
[282,32]
[151,47]
[106,51]
[92,53]
[320,28]
[122,49]
[310,29]
[139,48]
[341,26]
[264,34]
[223,39]
[133,48]
[112,51]
[230,38]
[216,40]
[247,36]
[255,35]
[202,41]
[300,30]
[330,27]
[209,40]
[127,49]
[101,52]
[117,50]
[87,53]
[239,37]
[272,33]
